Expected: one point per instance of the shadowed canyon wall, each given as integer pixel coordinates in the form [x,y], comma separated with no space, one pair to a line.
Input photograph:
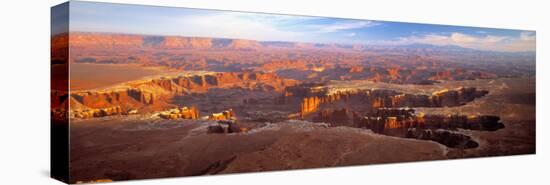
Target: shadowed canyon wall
[387,98]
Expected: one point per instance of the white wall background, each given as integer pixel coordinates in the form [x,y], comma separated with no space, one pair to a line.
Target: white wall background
[24,91]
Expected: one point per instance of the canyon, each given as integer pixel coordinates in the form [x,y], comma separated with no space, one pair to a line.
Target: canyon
[144,94]
[199,106]
[386,98]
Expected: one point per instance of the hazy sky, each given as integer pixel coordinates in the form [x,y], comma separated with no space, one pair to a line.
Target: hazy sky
[154,20]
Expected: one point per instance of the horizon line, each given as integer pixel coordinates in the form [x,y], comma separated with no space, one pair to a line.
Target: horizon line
[328,43]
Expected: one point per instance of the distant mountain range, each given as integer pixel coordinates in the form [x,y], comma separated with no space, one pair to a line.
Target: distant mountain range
[121,41]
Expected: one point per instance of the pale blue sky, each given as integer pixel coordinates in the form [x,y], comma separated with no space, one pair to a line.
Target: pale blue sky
[154,20]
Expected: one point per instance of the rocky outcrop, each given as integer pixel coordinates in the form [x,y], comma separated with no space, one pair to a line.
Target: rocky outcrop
[226,123]
[443,98]
[225,126]
[225,115]
[181,113]
[445,137]
[201,83]
[312,104]
[309,105]
[339,117]
[456,97]
[99,112]
[118,97]
[384,119]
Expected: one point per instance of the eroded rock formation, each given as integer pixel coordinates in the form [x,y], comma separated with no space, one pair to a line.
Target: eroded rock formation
[309,105]
[97,112]
[225,126]
[384,119]
[338,117]
[405,122]
[457,97]
[154,91]
[443,98]
[445,137]
[181,113]
[387,99]
[225,115]
[100,99]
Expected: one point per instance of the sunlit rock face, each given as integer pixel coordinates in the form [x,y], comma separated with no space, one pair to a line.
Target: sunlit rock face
[181,113]
[374,99]
[158,91]
[225,115]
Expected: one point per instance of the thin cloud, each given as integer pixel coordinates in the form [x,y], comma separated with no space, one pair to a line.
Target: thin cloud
[268,27]
[352,34]
[524,42]
[341,26]
[234,25]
